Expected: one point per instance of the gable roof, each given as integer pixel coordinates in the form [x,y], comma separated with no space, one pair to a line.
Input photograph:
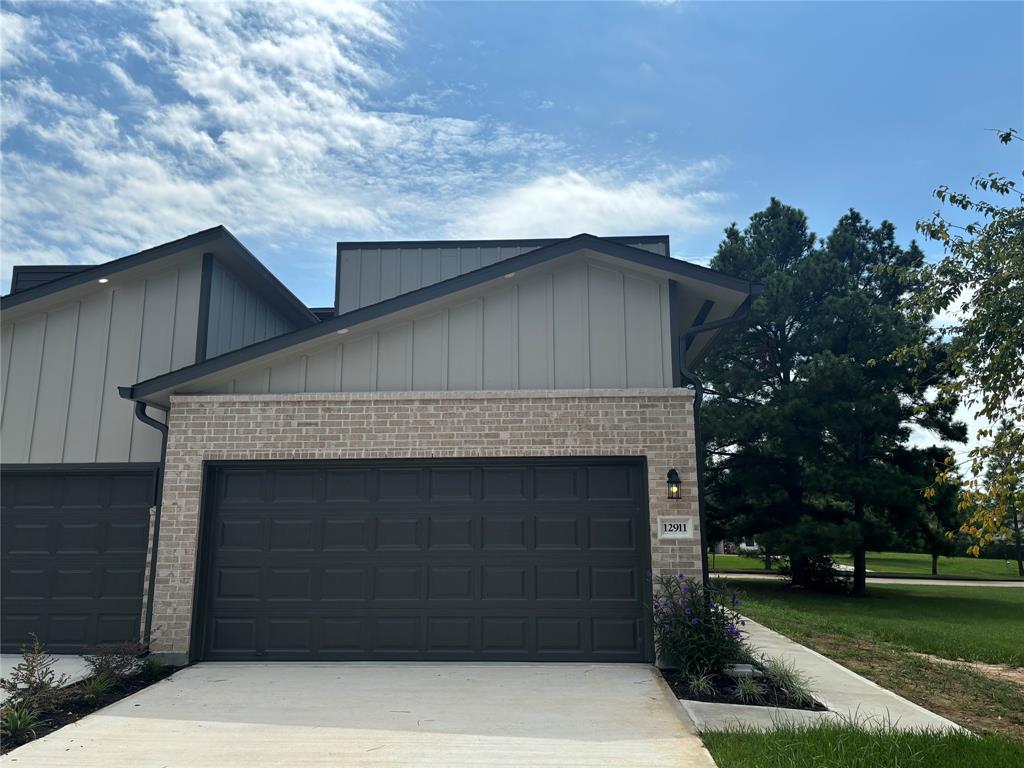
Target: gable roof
[227,246]
[672,268]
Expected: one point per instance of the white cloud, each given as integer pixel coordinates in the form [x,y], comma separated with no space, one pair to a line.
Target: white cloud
[17,34]
[259,116]
[601,203]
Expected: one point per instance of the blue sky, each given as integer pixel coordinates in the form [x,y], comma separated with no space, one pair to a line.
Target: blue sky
[298,125]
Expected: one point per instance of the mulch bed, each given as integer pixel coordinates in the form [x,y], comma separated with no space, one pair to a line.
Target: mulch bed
[725,693]
[78,706]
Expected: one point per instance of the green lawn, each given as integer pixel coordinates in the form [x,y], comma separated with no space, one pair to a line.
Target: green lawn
[892,564]
[973,623]
[845,746]
[880,635]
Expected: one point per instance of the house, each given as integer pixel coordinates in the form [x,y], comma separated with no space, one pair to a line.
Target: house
[467,457]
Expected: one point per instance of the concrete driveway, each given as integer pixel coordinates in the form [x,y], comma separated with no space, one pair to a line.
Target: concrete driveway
[410,714]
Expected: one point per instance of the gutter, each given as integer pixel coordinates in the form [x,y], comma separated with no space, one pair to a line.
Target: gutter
[738,316]
[141,415]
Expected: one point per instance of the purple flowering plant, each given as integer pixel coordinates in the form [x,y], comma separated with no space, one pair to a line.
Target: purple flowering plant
[697,626]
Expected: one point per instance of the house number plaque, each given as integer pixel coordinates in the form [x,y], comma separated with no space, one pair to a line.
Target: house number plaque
[675,527]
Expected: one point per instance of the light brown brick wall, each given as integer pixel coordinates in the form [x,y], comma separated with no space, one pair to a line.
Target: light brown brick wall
[656,423]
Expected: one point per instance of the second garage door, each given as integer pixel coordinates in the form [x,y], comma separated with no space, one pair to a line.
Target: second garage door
[486,560]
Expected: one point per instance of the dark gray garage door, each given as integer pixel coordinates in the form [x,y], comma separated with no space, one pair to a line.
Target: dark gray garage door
[74,554]
[491,559]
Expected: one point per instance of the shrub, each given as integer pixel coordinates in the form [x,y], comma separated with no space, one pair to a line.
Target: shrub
[750,691]
[817,573]
[701,684]
[115,660]
[150,668]
[696,627]
[18,721]
[33,682]
[792,687]
[96,687]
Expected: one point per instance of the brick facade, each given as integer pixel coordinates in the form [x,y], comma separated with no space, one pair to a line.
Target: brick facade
[656,423]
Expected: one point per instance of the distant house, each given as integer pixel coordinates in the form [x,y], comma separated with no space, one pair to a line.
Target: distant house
[467,457]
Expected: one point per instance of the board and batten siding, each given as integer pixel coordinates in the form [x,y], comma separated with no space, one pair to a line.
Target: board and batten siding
[368,275]
[239,316]
[62,367]
[581,325]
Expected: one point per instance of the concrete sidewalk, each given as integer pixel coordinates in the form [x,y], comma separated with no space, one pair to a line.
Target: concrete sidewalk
[357,715]
[847,695]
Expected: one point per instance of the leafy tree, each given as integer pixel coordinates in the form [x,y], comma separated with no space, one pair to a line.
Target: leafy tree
[807,407]
[926,521]
[980,281]
[998,514]
[754,420]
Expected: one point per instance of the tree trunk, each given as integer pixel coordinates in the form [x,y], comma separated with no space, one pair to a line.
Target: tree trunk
[767,560]
[935,564]
[1017,539]
[860,558]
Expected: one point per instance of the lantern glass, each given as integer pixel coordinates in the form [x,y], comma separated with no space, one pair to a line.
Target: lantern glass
[675,487]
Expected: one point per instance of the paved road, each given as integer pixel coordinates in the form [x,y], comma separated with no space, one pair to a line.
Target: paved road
[361,714]
[884,580]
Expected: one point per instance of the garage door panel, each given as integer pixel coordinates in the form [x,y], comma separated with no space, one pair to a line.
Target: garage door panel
[398,532]
[489,559]
[350,585]
[453,582]
[27,538]
[293,533]
[347,533]
[503,532]
[450,531]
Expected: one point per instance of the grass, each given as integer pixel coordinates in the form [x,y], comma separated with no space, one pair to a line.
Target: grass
[879,636]
[893,564]
[971,623]
[847,746]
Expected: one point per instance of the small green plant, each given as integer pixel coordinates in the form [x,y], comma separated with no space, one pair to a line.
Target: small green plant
[33,681]
[701,683]
[750,691]
[788,681]
[115,660]
[96,687]
[150,668]
[19,721]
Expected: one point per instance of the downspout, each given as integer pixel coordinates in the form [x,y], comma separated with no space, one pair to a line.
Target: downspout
[738,316]
[141,415]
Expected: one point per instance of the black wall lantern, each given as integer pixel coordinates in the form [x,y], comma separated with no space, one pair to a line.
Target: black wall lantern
[675,489]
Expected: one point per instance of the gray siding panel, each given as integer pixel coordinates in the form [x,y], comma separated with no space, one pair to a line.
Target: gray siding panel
[607,328]
[571,324]
[575,325]
[23,388]
[368,275]
[54,384]
[62,367]
[239,316]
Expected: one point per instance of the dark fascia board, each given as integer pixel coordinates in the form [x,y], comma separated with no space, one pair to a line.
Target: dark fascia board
[323,313]
[536,242]
[251,270]
[19,271]
[246,263]
[430,292]
[112,267]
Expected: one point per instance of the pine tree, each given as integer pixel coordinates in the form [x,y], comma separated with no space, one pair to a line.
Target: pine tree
[808,409]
